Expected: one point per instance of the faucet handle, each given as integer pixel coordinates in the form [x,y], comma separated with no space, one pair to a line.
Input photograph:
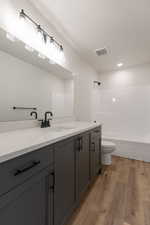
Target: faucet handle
[49,112]
[34,113]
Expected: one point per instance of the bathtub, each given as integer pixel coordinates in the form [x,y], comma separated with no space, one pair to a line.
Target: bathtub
[132,147]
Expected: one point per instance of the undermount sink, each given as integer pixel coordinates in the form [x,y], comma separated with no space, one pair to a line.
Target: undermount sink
[67,128]
[56,129]
[61,128]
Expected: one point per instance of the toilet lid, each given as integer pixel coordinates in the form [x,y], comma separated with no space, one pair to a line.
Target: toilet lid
[108,144]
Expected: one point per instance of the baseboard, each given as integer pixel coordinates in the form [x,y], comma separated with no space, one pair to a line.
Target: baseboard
[132,150]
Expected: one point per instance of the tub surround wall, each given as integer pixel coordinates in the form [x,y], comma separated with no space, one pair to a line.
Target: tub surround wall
[124,102]
[124,110]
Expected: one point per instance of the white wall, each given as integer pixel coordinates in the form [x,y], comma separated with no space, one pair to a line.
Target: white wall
[85,74]
[129,116]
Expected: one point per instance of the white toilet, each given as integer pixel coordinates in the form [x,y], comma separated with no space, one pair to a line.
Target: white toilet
[107,149]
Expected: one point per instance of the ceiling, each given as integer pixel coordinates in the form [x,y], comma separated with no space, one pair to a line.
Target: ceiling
[123,27]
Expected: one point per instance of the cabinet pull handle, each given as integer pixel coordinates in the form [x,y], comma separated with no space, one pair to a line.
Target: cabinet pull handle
[53,185]
[93,144]
[79,144]
[20,171]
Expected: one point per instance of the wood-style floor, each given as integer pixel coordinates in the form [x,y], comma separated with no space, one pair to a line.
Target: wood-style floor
[120,196]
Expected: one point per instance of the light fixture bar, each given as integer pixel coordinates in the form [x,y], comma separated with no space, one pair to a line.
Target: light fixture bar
[45,33]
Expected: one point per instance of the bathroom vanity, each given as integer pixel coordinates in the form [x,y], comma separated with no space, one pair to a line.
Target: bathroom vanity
[43,182]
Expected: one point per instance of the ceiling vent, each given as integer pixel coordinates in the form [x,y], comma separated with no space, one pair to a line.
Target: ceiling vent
[101,52]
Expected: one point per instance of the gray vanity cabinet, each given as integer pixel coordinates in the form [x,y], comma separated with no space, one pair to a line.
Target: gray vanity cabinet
[95,152]
[45,186]
[64,191]
[82,163]
[29,199]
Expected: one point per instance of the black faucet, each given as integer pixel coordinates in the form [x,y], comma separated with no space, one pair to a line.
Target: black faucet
[34,113]
[46,121]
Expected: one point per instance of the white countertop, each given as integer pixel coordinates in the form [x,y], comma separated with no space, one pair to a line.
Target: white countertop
[19,142]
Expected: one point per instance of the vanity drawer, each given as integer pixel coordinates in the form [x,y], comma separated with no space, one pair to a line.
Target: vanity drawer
[16,171]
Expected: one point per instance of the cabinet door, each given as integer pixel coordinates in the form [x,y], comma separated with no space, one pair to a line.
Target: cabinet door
[95,153]
[28,203]
[82,163]
[97,150]
[92,157]
[64,191]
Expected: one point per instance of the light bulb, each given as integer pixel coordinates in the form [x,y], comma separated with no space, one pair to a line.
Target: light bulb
[10,37]
[45,37]
[52,51]
[22,16]
[40,33]
[61,55]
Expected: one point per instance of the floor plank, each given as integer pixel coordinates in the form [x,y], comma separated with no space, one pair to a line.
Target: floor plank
[120,196]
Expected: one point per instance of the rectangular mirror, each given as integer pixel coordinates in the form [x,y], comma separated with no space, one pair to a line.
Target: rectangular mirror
[28,81]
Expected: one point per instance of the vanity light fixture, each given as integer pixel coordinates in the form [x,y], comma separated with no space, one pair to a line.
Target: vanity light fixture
[41,32]
[120,64]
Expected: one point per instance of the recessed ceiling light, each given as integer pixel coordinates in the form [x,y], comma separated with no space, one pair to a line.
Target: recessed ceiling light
[120,64]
